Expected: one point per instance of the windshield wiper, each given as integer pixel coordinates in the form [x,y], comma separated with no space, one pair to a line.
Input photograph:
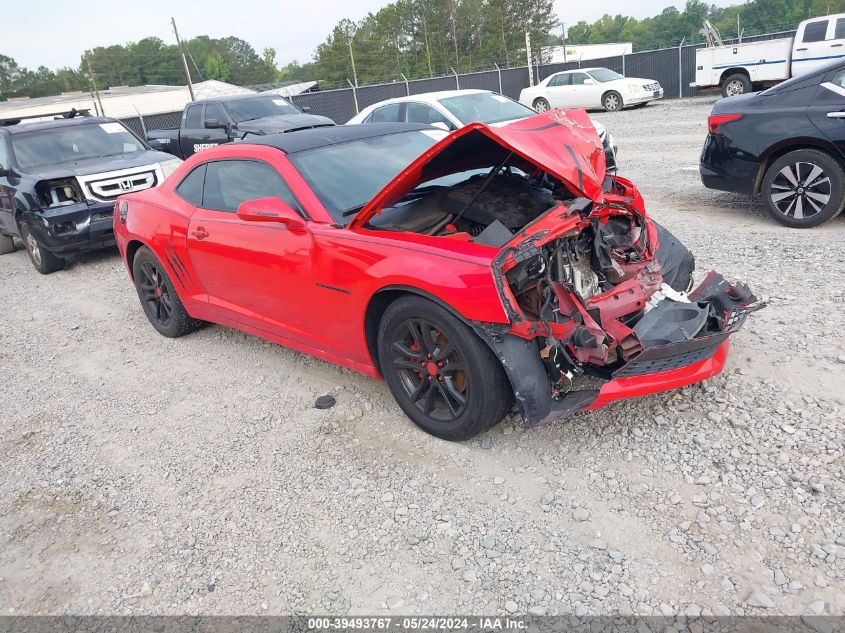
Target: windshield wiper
[351,211]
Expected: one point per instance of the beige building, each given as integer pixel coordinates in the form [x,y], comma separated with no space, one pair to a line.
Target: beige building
[120,102]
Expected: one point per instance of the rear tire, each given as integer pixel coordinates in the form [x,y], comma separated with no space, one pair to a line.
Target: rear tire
[7,244]
[43,260]
[158,297]
[612,101]
[439,371]
[736,84]
[541,105]
[804,188]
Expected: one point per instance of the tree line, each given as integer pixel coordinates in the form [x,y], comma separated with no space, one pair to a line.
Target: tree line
[147,61]
[414,38]
[670,26]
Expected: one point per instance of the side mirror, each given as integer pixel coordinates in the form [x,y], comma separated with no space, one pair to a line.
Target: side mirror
[270,210]
[305,108]
[589,82]
[440,125]
[214,124]
[4,172]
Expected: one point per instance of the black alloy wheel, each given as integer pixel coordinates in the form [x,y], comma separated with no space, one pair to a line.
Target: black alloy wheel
[430,369]
[443,376]
[158,297]
[155,294]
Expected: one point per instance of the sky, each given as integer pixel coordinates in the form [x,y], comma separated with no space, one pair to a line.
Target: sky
[38,33]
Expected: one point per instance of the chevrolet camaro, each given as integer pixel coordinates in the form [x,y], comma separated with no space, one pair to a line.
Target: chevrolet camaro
[473,271]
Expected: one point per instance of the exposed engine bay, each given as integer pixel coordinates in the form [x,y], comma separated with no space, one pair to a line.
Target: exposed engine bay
[484,208]
[599,307]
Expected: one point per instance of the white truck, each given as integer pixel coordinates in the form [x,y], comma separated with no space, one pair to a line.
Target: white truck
[739,68]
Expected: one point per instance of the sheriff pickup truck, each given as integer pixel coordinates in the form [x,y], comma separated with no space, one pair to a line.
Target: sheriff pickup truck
[216,121]
[743,67]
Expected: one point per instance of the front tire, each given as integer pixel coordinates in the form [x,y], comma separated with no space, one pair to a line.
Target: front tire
[804,188]
[7,244]
[439,371]
[612,101]
[736,84]
[541,105]
[161,304]
[43,260]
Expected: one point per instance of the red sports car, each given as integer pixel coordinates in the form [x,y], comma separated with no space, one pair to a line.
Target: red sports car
[470,270]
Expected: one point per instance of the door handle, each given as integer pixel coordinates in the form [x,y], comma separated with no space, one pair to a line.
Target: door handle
[836,115]
[200,233]
[800,50]
[836,45]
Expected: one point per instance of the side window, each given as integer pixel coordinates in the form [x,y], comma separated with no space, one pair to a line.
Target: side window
[839,79]
[578,79]
[5,163]
[213,111]
[386,114]
[228,183]
[560,80]
[190,189]
[815,31]
[193,116]
[422,113]
[839,33]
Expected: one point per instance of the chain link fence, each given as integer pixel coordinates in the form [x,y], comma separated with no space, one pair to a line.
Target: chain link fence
[673,67]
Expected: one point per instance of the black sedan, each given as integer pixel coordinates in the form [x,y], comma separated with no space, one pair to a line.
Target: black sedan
[786,143]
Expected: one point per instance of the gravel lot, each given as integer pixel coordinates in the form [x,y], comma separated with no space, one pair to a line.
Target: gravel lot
[192,476]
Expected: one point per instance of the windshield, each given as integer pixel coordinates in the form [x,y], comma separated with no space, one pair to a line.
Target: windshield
[348,175]
[73,143]
[604,74]
[485,107]
[248,109]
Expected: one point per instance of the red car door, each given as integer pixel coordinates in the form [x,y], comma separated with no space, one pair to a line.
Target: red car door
[253,272]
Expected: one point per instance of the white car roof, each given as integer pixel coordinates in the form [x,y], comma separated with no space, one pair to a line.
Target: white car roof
[424,97]
[580,70]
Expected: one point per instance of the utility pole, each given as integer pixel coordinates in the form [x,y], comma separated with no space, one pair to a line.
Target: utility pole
[352,57]
[563,36]
[184,61]
[528,54]
[94,86]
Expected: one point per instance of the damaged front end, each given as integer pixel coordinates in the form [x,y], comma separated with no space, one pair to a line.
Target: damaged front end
[594,292]
[587,290]
[64,220]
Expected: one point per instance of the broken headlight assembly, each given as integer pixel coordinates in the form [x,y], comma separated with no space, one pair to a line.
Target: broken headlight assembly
[59,193]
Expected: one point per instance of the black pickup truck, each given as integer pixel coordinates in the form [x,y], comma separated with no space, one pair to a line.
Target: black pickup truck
[59,180]
[216,121]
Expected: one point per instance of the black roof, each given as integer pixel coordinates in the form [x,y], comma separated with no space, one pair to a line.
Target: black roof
[301,140]
[20,128]
[243,97]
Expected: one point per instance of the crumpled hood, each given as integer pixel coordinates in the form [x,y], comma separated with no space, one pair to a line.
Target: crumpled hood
[90,166]
[283,123]
[563,143]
